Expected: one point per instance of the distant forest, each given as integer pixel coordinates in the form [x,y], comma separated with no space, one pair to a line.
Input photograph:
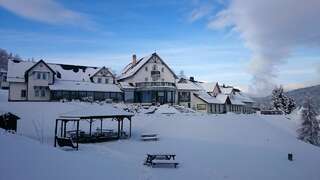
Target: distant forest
[299,95]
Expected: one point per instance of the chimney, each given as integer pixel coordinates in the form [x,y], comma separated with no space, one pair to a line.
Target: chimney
[191,79]
[134,59]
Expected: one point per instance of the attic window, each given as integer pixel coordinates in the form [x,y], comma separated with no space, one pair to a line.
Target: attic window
[154,67]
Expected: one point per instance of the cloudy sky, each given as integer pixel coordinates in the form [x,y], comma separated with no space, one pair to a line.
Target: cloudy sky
[251,44]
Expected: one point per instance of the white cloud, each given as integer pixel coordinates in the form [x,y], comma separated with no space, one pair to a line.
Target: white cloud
[47,11]
[271,29]
[200,12]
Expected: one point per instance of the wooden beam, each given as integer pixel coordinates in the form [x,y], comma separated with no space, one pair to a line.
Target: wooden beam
[118,127]
[101,125]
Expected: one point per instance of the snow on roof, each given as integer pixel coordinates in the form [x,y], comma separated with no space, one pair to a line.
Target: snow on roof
[226,90]
[83,86]
[208,98]
[222,98]
[16,71]
[236,101]
[130,70]
[243,97]
[126,85]
[188,85]
[208,87]
[106,110]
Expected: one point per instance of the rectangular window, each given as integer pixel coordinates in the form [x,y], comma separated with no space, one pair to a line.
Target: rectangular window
[36,92]
[146,68]
[38,75]
[107,81]
[201,106]
[23,93]
[146,79]
[162,69]
[43,92]
[99,80]
[44,76]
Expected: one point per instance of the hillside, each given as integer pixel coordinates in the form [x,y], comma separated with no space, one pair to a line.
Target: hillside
[298,94]
[207,146]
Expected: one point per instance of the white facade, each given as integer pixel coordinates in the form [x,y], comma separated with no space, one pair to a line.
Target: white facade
[41,81]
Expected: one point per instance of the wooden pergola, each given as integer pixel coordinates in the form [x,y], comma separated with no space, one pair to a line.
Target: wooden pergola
[90,115]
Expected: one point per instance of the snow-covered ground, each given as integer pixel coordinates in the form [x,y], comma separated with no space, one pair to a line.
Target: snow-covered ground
[225,146]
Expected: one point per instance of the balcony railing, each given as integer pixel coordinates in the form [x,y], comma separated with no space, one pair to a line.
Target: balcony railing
[150,84]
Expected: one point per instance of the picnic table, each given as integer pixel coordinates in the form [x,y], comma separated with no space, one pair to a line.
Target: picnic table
[161,159]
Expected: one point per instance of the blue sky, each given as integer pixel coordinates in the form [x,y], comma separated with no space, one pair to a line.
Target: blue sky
[107,33]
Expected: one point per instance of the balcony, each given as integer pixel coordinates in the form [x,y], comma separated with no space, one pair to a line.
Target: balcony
[152,84]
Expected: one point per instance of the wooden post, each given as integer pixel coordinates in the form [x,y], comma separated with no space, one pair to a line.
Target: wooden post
[78,134]
[65,129]
[90,126]
[130,127]
[101,126]
[121,125]
[118,127]
[55,133]
[61,128]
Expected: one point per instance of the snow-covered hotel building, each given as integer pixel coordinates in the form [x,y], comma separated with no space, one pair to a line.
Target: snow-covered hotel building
[148,80]
[41,81]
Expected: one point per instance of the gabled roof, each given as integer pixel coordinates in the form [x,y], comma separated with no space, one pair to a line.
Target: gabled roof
[208,87]
[130,70]
[207,98]
[41,61]
[17,70]
[103,68]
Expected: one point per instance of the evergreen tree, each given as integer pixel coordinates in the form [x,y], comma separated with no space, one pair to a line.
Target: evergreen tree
[281,102]
[290,105]
[310,129]
[277,98]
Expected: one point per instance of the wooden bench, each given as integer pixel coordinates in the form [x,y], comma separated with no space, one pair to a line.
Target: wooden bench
[65,142]
[149,137]
[163,162]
